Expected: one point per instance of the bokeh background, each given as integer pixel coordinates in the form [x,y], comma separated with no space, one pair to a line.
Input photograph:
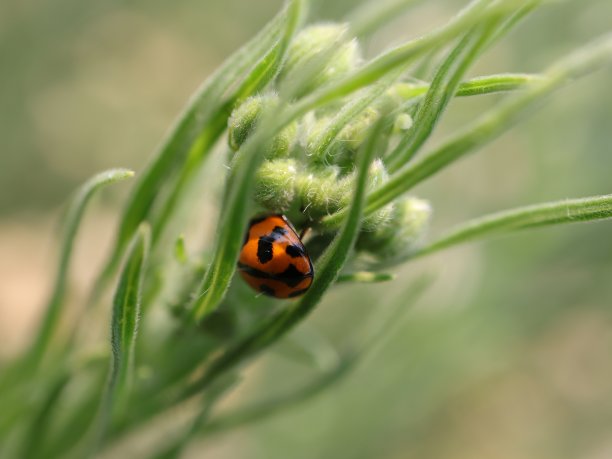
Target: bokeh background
[508,354]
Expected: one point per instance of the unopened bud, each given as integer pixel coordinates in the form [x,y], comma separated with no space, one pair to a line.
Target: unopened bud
[245,117]
[322,192]
[275,184]
[343,55]
[402,233]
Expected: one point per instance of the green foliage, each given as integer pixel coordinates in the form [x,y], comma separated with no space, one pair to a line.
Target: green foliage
[318,134]
[124,330]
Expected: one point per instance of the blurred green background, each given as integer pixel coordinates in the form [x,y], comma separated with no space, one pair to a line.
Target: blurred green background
[507,355]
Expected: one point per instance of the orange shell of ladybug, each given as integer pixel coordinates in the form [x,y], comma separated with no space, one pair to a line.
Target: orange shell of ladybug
[273,259]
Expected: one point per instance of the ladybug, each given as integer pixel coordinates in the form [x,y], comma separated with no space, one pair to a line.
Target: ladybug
[273,259]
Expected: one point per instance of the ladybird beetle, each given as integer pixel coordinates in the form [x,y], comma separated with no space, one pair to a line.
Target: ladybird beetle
[273,259]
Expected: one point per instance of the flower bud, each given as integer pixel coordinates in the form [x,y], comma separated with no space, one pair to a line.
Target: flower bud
[402,233]
[322,191]
[377,175]
[402,123]
[245,117]
[344,147]
[275,184]
[309,44]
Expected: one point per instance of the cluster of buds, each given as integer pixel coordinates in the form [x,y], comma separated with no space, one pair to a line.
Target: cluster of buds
[306,182]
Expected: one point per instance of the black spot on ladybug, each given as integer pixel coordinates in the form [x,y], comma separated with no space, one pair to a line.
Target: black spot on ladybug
[294,251]
[254,272]
[264,250]
[267,290]
[279,230]
[291,276]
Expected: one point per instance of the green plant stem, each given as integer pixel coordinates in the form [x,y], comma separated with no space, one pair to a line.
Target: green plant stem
[235,209]
[283,402]
[478,86]
[325,140]
[208,104]
[477,10]
[488,127]
[365,277]
[327,270]
[234,216]
[384,328]
[551,213]
[38,430]
[74,215]
[441,91]
[124,329]
[175,449]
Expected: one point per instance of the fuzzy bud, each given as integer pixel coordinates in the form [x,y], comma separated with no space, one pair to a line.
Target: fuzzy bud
[245,117]
[377,175]
[402,233]
[402,123]
[346,144]
[309,44]
[275,184]
[322,191]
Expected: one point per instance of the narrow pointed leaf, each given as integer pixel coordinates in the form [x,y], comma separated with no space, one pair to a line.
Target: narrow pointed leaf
[448,78]
[124,330]
[442,89]
[327,270]
[234,214]
[203,119]
[72,222]
[490,125]
[552,213]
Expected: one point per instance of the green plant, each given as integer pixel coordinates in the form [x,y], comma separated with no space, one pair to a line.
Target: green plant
[315,132]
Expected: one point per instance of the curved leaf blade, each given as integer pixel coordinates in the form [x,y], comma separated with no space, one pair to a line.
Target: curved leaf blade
[490,125]
[124,331]
[537,215]
[234,216]
[72,223]
[327,270]
[205,109]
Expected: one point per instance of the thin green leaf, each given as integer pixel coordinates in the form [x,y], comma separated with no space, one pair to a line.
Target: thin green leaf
[370,16]
[492,84]
[441,91]
[490,125]
[73,218]
[264,71]
[234,216]
[205,111]
[176,447]
[180,251]
[283,402]
[325,140]
[327,270]
[551,213]
[447,80]
[37,431]
[383,329]
[476,11]
[477,86]
[124,330]
[235,208]
[310,347]
[365,277]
